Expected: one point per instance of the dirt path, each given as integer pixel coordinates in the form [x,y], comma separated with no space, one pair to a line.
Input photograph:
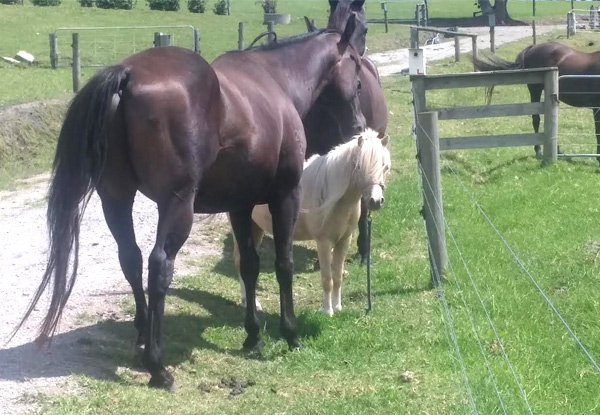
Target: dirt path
[24,371]
[396,61]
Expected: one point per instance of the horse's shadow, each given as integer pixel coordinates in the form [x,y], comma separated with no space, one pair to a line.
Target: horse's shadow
[99,350]
[304,258]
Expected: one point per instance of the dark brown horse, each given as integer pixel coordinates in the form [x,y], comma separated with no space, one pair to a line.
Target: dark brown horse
[577,92]
[194,138]
[330,122]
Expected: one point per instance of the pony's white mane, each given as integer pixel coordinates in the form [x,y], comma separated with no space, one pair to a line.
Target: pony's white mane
[327,178]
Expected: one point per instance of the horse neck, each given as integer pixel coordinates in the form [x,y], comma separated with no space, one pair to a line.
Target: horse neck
[309,63]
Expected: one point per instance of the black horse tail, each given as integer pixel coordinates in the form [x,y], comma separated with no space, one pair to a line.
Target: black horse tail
[78,163]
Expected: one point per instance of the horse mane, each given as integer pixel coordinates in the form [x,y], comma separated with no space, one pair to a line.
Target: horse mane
[327,178]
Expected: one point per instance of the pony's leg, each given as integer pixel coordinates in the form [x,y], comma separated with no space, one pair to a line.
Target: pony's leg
[362,241]
[175,218]
[257,236]
[285,213]
[117,212]
[337,268]
[597,122]
[241,222]
[324,248]
[535,92]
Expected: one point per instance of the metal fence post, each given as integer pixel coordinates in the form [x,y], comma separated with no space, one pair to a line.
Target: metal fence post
[550,116]
[76,63]
[429,158]
[53,50]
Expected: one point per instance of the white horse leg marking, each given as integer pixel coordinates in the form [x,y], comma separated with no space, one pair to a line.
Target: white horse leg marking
[339,256]
[324,252]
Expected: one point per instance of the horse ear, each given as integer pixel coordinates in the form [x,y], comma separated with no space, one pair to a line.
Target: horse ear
[385,140]
[357,5]
[310,26]
[332,5]
[361,139]
[350,28]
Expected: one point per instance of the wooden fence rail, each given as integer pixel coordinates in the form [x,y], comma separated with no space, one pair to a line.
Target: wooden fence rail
[429,143]
[414,39]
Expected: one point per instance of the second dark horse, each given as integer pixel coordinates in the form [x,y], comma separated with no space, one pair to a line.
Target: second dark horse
[577,92]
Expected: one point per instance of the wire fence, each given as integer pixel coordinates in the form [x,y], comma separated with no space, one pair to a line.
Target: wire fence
[500,392]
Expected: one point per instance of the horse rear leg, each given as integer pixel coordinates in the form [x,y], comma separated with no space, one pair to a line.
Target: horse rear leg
[241,222]
[535,92]
[337,270]
[117,212]
[175,218]
[597,122]
[324,248]
[257,236]
[362,241]
[285,213]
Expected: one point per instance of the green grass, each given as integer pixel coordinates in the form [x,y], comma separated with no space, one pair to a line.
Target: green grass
[353,363]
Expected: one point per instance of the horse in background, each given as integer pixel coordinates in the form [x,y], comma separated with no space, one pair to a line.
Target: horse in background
[333,186]
[582,92]
[330,122]
[193,137]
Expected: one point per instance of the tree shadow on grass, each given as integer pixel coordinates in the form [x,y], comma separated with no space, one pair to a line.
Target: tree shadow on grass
[100,349]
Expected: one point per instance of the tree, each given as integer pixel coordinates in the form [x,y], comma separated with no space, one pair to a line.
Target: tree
[500,9]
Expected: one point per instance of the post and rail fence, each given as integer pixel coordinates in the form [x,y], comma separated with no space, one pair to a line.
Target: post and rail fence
[429,144]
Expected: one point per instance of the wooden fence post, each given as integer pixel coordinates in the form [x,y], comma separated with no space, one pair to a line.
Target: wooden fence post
[385,15]
[76,63]
[550,116]
[429,158]
[417,15]
[53,50]
[241,35]
[456,49]
[161,39]
[534,32]
[196,41]
[270,37]
[414,37]
[474,48]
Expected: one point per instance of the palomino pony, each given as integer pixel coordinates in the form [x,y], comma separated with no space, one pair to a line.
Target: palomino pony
[332,188]
[194,138]
[575,92]
[330,122]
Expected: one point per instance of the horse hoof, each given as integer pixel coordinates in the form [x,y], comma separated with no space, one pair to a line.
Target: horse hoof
[253,344]
[337,308]
[294,344]
[163,380]
[328,311]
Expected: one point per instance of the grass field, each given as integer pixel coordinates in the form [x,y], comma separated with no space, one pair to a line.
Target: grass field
[357,364]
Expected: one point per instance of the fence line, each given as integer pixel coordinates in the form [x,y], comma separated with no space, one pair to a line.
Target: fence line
[433,141]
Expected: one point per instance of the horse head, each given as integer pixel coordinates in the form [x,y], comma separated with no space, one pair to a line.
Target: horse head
[373,163]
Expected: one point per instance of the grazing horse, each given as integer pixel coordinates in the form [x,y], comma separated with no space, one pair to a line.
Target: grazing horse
[330,122]
[575,92]
[332,188]
[194,138]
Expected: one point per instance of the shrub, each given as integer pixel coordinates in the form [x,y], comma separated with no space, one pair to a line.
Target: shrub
[220,7]
[269,6]
[10,1]
[113,4]
[164,5]
[197,6]
[86,3]
[46,2]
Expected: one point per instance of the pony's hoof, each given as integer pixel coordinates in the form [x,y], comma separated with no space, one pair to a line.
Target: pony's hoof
[328,311]
[163,380]
[337,308]
[253,344]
